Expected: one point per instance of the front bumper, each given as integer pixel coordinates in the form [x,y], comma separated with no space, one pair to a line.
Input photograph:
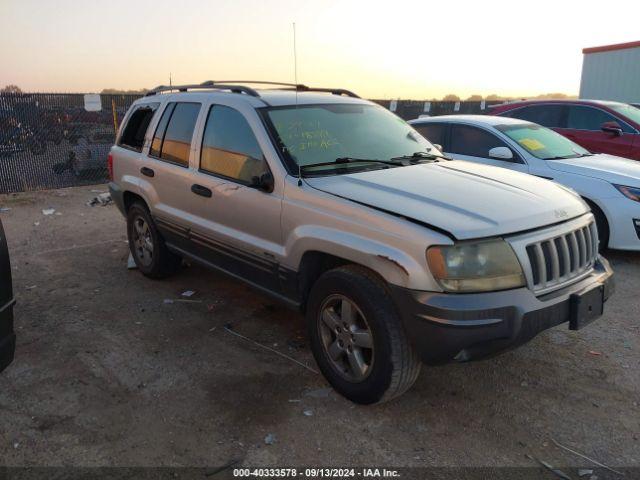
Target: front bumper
[620,213]
[7,335]
[445,327]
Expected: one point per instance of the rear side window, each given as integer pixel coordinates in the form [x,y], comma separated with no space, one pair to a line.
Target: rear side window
[551,116]
[229,147]
[156,144]
[581,117]
[172,140]
[434,132]
[472,141]
[136,127]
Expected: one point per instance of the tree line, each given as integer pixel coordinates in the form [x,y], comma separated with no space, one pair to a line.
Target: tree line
[451,97]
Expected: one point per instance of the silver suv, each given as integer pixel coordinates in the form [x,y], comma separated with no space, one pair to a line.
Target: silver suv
[335,206]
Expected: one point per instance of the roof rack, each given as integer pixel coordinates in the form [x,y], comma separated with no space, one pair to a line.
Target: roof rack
[204,85]
[236,86]
[333,91]
[297,87]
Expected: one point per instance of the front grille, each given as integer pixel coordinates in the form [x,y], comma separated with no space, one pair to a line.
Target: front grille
[560,259]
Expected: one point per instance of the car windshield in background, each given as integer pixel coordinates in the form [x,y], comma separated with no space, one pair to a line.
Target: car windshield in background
[542,142]
[321,134]
[629,111]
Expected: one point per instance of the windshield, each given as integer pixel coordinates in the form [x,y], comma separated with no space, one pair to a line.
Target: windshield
[542,142]
[629,111]
[313,134]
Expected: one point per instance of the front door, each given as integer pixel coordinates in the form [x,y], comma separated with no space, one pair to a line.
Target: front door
[584,127]
[472,143]
[238,225]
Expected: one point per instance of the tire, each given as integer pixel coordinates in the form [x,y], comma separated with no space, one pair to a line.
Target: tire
[391,365]
[147,246]
[602,225]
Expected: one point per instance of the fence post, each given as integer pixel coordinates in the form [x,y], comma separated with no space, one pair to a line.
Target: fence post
[115,117]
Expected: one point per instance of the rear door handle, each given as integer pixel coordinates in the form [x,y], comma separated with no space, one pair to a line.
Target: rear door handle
[147,172]
[200,190]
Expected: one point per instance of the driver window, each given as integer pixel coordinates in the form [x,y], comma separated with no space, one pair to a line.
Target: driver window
[229,147]
[475,142]
[581,117]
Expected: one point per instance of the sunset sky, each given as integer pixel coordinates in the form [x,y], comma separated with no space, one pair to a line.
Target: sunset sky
[391,49]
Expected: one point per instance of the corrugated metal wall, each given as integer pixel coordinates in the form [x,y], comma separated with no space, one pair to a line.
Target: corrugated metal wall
[612,75]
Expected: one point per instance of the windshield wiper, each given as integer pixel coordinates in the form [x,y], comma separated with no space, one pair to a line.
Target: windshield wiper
[567,157]
[417,156]
[344,160]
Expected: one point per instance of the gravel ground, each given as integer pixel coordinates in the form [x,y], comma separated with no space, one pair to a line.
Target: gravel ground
[108,374]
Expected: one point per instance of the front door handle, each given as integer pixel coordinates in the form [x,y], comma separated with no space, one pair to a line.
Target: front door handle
[146,171]
[200,190]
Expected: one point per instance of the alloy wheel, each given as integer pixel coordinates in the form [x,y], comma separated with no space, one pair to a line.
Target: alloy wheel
[346,338]
[142,241]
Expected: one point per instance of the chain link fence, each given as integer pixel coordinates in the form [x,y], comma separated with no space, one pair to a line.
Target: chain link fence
[62,140]
[56,140]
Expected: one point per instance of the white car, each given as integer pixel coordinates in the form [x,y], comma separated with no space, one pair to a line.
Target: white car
[609,184]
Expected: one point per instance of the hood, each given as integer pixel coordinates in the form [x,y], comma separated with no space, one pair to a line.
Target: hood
[605,167]
[468,200]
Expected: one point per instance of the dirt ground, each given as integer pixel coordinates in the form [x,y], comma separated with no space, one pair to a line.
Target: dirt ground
[107,373]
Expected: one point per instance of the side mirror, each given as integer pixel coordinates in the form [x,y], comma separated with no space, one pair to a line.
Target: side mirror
[263,182]
[438,147]
[501,153]
[611,127]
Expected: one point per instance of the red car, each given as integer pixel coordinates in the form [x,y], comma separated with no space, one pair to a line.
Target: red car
[599,126]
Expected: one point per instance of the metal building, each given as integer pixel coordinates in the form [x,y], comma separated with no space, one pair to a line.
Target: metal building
[611,72]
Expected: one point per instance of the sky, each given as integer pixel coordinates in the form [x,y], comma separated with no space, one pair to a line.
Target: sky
[389,49]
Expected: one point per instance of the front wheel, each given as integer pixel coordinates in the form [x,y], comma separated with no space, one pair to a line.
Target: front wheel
[357,337]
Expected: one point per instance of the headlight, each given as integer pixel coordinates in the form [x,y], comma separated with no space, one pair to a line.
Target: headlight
[632,193]
[476,266]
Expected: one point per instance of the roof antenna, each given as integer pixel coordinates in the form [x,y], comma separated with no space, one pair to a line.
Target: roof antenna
[170,79]
[295,76]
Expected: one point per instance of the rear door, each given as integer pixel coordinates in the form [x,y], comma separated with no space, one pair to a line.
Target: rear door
[165,175]
[467,142]
[436,133]
[584,126]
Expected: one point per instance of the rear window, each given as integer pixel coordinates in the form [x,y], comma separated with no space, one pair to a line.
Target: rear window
[551,116]
[136,127]
[172,140]
[436,133]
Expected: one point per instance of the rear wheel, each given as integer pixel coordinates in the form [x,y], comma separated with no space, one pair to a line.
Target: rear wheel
[357,337]
[147,246]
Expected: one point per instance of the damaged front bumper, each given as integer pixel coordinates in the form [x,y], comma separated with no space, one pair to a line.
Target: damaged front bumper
[445,327]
